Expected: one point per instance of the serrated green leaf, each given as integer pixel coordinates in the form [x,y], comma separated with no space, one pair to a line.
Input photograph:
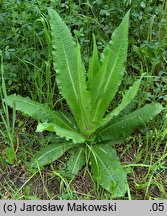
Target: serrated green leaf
[122,129]
[70,70]
[107,170]
[49,154]
[106,82]
[94,63]
[127,99]
[40,112]
[76,162]
[61,132]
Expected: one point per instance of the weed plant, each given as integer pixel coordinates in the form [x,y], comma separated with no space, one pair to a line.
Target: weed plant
[28,70]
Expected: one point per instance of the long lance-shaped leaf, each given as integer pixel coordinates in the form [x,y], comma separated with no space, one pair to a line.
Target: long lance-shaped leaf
[49,154]
[40,112]
[127,99]
[125,126]
[106,82]
[84,119]
[70,70]
[107,170]
[94,63]
[61,132]
[76,162]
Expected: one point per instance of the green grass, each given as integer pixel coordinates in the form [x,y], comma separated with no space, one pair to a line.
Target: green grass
[9,133]
[27,69]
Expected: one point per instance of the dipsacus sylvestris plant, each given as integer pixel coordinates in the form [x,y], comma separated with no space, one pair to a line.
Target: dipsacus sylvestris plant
[88,131]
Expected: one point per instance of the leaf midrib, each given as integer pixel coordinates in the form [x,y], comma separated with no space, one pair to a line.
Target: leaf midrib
[108,171]
[48,152]
[108,81]
[68,66]
[41,108]
[77,160]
